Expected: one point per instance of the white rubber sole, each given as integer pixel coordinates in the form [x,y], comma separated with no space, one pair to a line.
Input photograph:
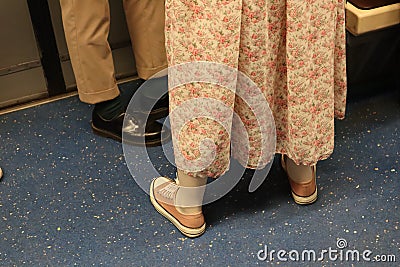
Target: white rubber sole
[189,232]
[305,200]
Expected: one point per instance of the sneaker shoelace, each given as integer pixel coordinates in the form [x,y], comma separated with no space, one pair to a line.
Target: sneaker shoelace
[169,191]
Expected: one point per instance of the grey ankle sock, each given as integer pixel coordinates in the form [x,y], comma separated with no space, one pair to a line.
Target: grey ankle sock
[190,194]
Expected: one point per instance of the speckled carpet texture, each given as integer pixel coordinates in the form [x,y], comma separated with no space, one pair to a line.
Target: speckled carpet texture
[67,198]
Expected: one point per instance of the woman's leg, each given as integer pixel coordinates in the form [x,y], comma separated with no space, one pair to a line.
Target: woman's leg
[189,199]
[195,32]
[298,173]
[180,201]
[302,180]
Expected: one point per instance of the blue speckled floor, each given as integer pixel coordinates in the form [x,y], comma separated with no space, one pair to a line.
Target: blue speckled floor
[67,198]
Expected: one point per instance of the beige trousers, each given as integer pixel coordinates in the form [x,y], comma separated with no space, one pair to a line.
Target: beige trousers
[86,25]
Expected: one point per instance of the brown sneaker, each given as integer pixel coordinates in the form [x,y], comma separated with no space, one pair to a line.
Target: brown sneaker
[162,196]
[306,192]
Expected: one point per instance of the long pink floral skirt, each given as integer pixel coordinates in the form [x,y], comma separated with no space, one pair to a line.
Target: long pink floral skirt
[293,50]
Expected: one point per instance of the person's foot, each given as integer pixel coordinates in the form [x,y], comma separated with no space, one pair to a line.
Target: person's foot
[141,127]
[136,131]
[303,186]
[163,193]
[148,105]
[1,173]
[160,109]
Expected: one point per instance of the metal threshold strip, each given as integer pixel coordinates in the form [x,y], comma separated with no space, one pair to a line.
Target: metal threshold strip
[20,67]
[47,100]
[37,103]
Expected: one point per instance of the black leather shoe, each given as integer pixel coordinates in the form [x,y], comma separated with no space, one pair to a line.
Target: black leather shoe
[134,134]
[155,110]
[159,110]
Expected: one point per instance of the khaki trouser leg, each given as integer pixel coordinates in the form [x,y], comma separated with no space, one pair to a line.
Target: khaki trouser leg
[146,20]
[86,26]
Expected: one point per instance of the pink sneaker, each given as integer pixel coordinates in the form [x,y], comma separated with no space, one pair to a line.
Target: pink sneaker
[162,195]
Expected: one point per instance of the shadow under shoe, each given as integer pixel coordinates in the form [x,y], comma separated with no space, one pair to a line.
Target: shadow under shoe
[137,131]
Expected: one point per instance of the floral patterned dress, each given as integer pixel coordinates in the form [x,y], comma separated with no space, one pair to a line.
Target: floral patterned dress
[293,50]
